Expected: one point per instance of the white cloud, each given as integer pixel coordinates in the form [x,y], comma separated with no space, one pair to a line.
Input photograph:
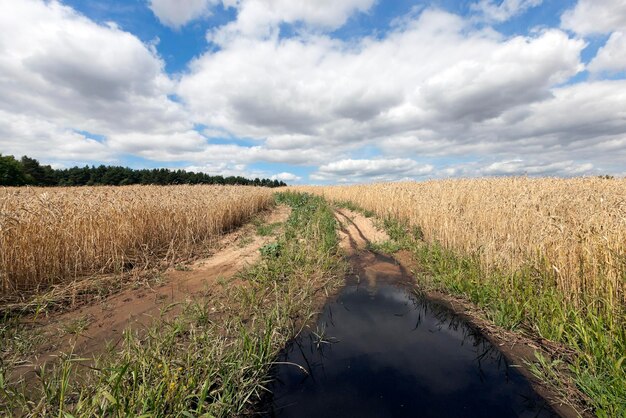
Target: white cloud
[71,74]
[39,138]
[315,99]
[595,16]
[285,177]
[316,87]
[434,86]
[584,122]
[536,167]
[516,167]
[155,145]
[612,56]
[505,10]
[177,13]
[226,170]
[260,18]
[353,171]
[236,169]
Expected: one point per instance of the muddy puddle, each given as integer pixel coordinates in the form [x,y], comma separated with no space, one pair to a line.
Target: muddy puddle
[379,350]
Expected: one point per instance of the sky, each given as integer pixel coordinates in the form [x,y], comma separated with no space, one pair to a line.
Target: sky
[318,91]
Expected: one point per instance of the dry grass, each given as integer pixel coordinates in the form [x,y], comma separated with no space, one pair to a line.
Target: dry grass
[58,235]
[573,230]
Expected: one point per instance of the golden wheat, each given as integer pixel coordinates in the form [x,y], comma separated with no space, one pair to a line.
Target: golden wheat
[573,229]
[54,235]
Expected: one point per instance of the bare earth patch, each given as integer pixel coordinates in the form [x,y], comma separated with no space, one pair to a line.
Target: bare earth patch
[357,231]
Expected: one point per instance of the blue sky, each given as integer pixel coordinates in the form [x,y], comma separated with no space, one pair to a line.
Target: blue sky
[339,91]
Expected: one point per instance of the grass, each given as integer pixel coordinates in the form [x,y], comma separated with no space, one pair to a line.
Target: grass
[210,360]
[244,241]
[265,230]
[593,336]
[77,326]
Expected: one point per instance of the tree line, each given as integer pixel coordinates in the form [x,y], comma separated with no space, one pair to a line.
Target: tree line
[29,172]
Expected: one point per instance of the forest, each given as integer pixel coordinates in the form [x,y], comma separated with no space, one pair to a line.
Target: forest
[29,172]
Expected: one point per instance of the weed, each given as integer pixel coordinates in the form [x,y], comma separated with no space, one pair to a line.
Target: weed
[271,250]
[77,326]
[385,247]
[182,267]
[245,241]
[265,230]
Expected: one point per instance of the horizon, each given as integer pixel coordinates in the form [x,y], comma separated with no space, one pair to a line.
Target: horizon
[336,92]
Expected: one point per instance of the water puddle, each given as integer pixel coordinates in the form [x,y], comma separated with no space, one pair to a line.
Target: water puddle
[378,350]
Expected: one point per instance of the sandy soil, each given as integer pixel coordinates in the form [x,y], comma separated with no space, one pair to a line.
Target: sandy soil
[104,322]
[356,231]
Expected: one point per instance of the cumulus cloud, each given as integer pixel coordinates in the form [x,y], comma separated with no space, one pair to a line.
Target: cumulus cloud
[513,167]
[435,87]
[288,177]
[226,170]
[261,18]
[434,84]
[611,57]
[71,74]
[353,171]
[238,169]
[492,11]
[177,13]
[36,137]
[435,70]
[595,16]
[535,167]
[583,123]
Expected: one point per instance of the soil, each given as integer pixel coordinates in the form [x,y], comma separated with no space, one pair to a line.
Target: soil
[357,231]
[103,323]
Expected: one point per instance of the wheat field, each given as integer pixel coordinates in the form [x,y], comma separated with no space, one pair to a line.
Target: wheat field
[573,230]
[56,235]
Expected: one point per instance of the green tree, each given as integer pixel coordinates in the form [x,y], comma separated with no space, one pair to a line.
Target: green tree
[37,174]
[11,172]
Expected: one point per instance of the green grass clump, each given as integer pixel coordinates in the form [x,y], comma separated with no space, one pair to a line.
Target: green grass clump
[208,360]
[265,230]
[400,236]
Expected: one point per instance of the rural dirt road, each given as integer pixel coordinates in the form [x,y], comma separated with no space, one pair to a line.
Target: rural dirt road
[137,308]
[356,232]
